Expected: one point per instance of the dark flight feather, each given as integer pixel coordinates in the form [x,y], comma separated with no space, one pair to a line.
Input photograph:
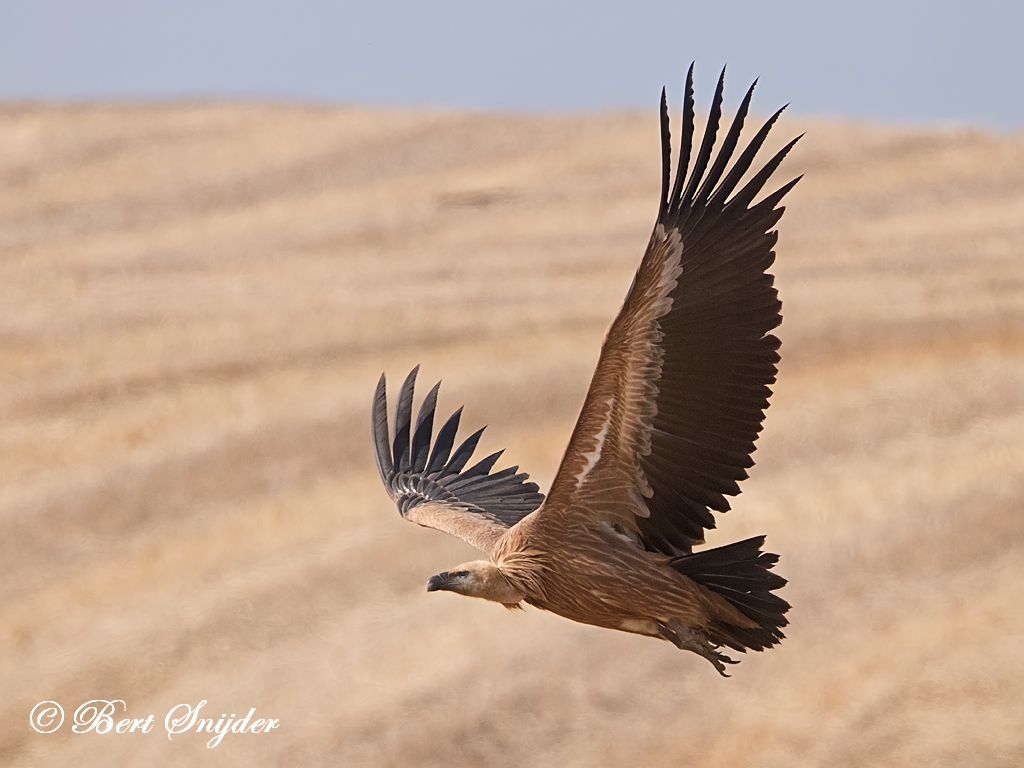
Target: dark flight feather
[718,356]
[411,478]
[403,422]
[685,142]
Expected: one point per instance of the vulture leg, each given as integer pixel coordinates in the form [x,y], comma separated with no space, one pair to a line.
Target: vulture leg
[690,640]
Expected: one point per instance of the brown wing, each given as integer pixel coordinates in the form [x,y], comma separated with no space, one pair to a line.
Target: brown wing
[431,486]
[680,390]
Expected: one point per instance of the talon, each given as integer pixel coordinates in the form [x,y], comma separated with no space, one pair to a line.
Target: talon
[691,640]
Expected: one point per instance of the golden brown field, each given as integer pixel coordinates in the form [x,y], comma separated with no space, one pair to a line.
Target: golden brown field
[196,301]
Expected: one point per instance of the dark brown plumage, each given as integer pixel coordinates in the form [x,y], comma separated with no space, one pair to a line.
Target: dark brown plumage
[664,436]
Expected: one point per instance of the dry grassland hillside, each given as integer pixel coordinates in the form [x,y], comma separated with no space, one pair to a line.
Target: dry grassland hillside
[196,301]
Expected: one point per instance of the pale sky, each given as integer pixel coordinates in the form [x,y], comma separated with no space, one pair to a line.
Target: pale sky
[911,62]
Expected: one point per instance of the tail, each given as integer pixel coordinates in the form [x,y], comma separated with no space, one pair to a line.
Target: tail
[740,573]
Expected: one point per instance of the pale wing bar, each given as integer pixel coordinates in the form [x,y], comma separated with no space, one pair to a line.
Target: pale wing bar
[414,474]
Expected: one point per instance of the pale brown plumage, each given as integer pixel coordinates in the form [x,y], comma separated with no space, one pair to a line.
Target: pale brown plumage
[666,431]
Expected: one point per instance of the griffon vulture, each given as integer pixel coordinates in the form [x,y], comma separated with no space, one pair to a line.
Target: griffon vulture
[666,432]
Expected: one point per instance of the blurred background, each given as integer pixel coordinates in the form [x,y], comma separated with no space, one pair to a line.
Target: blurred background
[219,222]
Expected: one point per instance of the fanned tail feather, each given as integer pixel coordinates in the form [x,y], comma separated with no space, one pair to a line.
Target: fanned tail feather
[741,573]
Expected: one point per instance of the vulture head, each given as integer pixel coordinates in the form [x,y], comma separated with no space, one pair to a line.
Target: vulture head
[477,579]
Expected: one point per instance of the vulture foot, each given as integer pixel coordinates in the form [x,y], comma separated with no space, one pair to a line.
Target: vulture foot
[691,640]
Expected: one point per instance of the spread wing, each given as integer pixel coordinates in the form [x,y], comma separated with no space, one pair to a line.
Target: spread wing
[680,390]
[431,486]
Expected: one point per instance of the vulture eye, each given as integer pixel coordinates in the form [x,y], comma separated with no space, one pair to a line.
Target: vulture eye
[458,574]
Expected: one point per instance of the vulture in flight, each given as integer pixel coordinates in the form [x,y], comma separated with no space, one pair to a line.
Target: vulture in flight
[665,433]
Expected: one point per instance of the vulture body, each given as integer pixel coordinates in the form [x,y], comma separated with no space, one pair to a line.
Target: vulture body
[665,433]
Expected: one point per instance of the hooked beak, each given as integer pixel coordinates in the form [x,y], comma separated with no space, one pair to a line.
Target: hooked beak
[439,582]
